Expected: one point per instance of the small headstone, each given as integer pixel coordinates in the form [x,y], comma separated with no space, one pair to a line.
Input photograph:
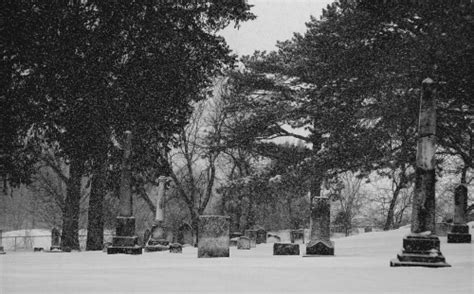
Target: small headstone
[252,235]
[243,243]
[233,242]
[1,250]
[261,236]
[286,249]
[273,238]
[213,236]
[319,247]
[297,236]
[176,248]
[66,249]
[367,229]
[37,249]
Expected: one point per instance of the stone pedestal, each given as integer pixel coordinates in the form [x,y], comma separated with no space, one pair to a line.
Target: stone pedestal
[286,249]
[125,240]
[320,243]
[252,235]
[459,230]
[420,250]
[243,243]
[213,236]
[157,240]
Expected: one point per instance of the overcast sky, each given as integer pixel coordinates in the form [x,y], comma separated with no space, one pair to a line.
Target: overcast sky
[277,20]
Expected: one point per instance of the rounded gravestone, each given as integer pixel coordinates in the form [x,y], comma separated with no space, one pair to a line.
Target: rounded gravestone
[213,236]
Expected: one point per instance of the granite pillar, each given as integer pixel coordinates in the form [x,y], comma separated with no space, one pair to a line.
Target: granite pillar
[460,230]
[320,243]
[213,236]
[422,247]
[125,240]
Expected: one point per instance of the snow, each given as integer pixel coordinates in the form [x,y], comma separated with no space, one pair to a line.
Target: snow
[361,265]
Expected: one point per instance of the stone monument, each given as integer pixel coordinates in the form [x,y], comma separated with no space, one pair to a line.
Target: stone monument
[460,230]
[252,235]
[213,238]
[55,240]
[1,247]
[286,249]
[261,236]
[243,243]
[421,247]
[320,243]
[157,239]
[125,240]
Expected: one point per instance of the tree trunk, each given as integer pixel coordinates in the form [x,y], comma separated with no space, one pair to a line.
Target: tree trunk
[70,228]
[95,224]
[389,221]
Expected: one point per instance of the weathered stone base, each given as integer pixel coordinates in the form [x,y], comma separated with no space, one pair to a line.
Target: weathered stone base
[459,234]
[319,248]
[420,250]
[124,250]
[124,244]
[286,249]
[154,245]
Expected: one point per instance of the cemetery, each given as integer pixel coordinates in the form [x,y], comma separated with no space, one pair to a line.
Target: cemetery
[340,161]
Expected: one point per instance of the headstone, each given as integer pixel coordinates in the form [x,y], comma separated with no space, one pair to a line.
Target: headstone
[320,243]
[297,236]
[460,230]
[125,240]
[185,234]
[252,234]
[243,243]
[1,247]
[273,238]
[213,232]
[55,240]
[261,236]
[367,229]
[38,249]
[421,247]
[176,248]
[233,242]
[286,249]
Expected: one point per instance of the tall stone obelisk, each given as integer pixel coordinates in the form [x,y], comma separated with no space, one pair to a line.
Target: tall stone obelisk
[320,243]
[125,240]
[421,247]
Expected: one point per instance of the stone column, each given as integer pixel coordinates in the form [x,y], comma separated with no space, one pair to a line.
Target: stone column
[421,247]
[157,240]
[125,240]
[320,243]
[213,236]
[460,230]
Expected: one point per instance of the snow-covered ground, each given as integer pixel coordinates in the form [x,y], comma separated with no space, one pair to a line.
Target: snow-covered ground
[361,265]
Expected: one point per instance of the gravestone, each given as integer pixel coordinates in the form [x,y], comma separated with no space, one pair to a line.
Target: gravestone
[1,246]
[272,238]
[421,247]
[243,243]
[233,242]
[460,230]
[125,240]
[286,249]
[320,243]
[367,229]
[297,236]
[261,236]
[176,248]
[55,240]
[252,235]
[157,239]
[213,232]
[185,234]
[38,249]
